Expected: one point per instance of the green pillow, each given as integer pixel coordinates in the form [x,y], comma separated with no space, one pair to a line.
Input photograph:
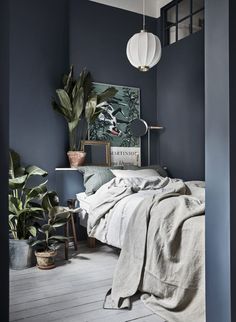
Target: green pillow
[95,177]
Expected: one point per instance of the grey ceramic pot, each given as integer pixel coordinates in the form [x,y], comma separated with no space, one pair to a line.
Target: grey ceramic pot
[21,254]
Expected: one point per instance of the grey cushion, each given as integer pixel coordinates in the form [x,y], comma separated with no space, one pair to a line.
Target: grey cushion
[95,177]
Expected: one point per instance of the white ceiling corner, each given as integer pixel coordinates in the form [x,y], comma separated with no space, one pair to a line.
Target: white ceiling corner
[152,6]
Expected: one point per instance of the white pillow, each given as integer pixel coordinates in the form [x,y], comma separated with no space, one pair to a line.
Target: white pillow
[144,173]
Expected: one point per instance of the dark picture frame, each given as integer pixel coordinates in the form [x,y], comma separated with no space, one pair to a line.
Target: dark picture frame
[97,152]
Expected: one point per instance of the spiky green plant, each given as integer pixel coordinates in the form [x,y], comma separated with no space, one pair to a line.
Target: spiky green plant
[77,101]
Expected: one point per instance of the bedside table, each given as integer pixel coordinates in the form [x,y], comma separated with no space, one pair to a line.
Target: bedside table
[71,224]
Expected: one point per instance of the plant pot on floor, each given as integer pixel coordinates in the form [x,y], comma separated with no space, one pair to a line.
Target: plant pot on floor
[76,158]
[46,259]
[21,254]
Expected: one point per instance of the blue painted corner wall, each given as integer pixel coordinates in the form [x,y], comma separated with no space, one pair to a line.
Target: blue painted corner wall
[181,107]
[46,37]
[38,59]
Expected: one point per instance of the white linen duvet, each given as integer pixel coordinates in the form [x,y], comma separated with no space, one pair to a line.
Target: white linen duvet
[118,209]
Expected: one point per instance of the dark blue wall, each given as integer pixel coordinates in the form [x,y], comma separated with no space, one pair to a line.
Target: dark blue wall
[4,118]
[220,91]
[38,58]
[98,38]
[180,107]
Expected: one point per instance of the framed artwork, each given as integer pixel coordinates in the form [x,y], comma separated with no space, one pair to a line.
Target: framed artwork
[97,152]
[113,124]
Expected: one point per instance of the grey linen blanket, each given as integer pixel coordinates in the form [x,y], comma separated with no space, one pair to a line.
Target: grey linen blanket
[163,251]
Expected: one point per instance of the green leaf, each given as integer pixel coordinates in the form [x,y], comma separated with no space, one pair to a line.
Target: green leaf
[14,204]
[90,108]
[72,125]
[62,216]
[38,242]
[11,216]
[87,85]
[36,192]
[82,77]
[68,79]
[17,183]
[107,94]
[46,227]
[78,102]
[35,171]
[59,224]
[50,200]
[64,99]
[59,238]
[14,163]
[32,230]
[95,115]
[61,110]
[19,172]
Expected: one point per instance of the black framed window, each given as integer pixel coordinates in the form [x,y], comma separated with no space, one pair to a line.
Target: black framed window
[181,18]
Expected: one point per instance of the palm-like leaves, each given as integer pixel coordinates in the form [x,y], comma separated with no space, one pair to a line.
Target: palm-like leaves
[23,212]
[76,101]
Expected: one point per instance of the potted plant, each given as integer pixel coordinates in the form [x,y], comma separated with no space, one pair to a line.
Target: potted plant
[47,241]
[77,103]
[25,210]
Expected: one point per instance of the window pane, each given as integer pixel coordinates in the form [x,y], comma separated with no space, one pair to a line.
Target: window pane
[197,5]
[171,15]
[184,29]
[171,35]
[183,9]
[198,21]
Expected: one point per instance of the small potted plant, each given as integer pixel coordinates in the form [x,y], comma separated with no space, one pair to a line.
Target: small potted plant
[47,241]
[77,103]
[25,210]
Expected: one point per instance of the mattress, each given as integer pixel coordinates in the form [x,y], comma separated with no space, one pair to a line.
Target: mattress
[83,200]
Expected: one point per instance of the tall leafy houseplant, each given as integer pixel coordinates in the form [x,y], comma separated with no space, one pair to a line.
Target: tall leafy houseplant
[24,199]
[48,240]
[77,103]
[25,209]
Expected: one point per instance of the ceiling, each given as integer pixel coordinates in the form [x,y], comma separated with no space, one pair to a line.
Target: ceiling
[152,6]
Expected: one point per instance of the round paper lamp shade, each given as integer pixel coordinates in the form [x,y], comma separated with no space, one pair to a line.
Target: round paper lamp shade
[143,50]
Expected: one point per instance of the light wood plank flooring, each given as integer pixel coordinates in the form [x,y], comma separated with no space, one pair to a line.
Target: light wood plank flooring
[73,292]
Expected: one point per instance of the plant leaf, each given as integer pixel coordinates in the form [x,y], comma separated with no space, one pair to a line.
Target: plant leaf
[90,108]
[50,200]
[59,238]
[36,192]
[68,78]
[17,183]
[72,125]
[106,95]
[35,171]
[78,102]
[61,110]
[64,99]
[38,242]
[32,230]
[14,163]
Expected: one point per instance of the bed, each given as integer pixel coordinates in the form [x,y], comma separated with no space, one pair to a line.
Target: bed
[158,223]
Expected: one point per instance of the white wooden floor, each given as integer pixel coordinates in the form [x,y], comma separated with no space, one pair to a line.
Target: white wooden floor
[73,292]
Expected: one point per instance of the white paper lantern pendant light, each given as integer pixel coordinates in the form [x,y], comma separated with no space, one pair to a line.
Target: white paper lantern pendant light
[144,48]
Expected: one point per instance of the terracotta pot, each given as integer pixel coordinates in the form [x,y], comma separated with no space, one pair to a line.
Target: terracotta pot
[76,158]
[45,260]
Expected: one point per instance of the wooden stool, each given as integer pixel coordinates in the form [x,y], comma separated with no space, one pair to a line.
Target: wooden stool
[70,224]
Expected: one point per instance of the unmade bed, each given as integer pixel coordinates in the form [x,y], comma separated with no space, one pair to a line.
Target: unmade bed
[158,223]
